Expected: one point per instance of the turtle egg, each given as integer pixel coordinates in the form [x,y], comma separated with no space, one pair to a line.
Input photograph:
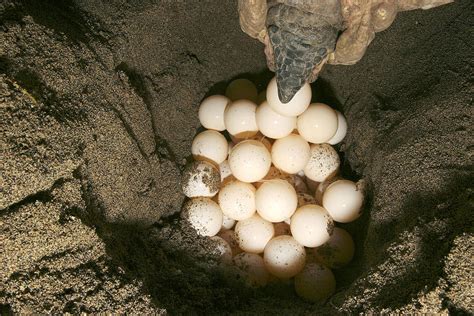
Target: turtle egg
[322,187]
[204,215]
[315,283]
[337,251]
[227,222]
[222,249]
[252,269]
[200,178]
[250,161]
[323,163]
[311,225]
[229,236]
[341,129]
[284,257]
[272,124]
[210,146]
[276,200]
[237,200]
[343,200]
[254,233]
[239,119]
[318,123]
[242,89]
[281,228]
[211,112]
[291,153]
[295,107]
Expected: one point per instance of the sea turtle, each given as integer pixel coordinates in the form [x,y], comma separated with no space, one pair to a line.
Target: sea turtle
[300,36]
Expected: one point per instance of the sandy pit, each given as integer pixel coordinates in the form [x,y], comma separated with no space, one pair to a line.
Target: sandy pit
[98,108]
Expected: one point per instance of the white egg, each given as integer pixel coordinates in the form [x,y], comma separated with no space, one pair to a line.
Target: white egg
[237,200]
[323,163]
[222,250]
[210,146]
[311,225]
[227,222]
[250,161]
[224,170]
[337,251]
[315,283]
[239,119]
[262,97]
[322,187]
[211,112]
[305,199]
[242,89]
[229,236]
[284,257]
[276,200]
[318,123]
[295,107]
[272,124]
[252,269]
[281,228]
[200,178]
[291,153]
[341,129]
[204,215]
[343,201]
[254,233]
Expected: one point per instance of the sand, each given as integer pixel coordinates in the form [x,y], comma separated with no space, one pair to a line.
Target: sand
[98,109]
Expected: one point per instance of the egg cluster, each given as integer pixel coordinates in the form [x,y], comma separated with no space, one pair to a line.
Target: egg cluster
[265,186]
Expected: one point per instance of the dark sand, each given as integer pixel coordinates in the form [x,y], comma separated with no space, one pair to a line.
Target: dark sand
[98,109]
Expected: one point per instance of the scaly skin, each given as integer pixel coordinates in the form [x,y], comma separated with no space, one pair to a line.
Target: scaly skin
[300,36]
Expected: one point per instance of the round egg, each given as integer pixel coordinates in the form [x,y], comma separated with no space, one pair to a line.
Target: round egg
[276,200]
[323,163]
[322,187]
[281,228]
[343,201]
[341,129]
[337,251]
[204,215]
[227,222]
[237,200]
[211,112]
[252,269]
[305,199]
[311,225]
[229,236]
[239,119]
[291,153]
[222,250]
[200,178]
[284,257]
[272,124]
[250,161]
[242,89]
[315,283]
[318,123]
[254,233]
[295,107]
[210,146]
